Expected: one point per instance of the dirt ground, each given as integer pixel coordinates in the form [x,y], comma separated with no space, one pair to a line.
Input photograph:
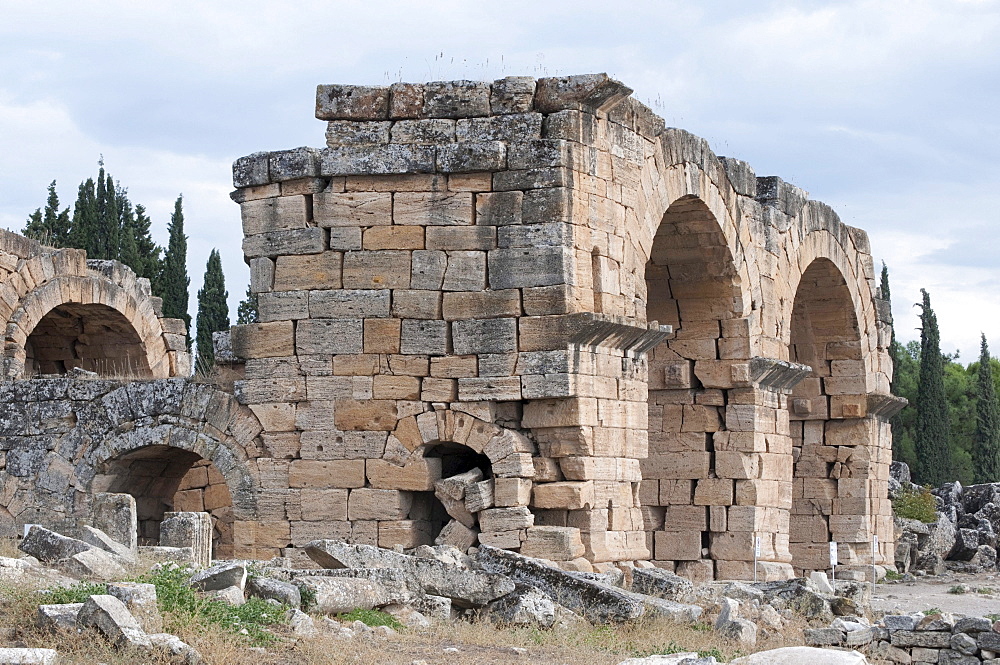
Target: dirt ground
[980,596]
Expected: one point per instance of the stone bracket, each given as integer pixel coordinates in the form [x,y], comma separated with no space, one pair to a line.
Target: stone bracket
[885,406]
[616,332]
[777,375]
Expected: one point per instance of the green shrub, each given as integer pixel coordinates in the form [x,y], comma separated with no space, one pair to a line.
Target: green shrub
[75,593]
[915,505]
[958,589]
[892,576]
[372,618]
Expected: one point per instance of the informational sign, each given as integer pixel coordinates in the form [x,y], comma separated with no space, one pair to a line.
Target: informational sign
[756,547]
[833,554]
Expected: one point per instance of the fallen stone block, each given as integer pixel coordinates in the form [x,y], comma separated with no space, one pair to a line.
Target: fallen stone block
[339,595]
[455,486]
[141,601]
[730,625]
[28,656]
[232,595]
[58,616]
[267,588]
[301,623]
[596,601]
[103,541]
[95,563]
[221,576]
[189,529]
[115,515]
[457,535]
[111,618]
[49,546]
[407,616]
[466,588]
[800,655]
[660,583]
[160,554]
[175,646]
[524,607]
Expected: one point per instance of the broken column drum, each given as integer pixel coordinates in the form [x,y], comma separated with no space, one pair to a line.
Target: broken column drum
[626,336]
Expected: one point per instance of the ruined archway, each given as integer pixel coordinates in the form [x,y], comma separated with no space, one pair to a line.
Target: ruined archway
[831,438]
[162,478]
[92,337]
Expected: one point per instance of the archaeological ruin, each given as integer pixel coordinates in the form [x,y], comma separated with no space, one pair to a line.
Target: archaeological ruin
[522,313]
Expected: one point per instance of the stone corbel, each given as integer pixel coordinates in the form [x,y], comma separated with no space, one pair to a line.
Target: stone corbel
[777,375]
[885,407]
[617,333]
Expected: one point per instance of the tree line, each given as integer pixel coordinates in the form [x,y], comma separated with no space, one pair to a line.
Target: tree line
[950,430]
[108,225]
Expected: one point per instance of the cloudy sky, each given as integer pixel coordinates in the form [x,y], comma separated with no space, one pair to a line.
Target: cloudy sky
[887,110]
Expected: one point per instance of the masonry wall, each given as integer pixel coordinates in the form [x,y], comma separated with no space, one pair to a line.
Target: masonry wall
[505,254]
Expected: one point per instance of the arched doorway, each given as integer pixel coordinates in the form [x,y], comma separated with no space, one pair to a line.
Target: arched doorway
[91,337]
[831,437]
[692,284]
[162,478]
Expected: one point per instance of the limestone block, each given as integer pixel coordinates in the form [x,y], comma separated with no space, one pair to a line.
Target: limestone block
[464,238]
[523,267]
[435,130]
[378,504]
[498,208]
[263,340]
[479,496]
[560,413]
[315,271]
[466,271]
[345,238]
[457,535]
[684,518]
[423,337]
[508,540]
[505,519]
[326,474]
[277,243]
[677,545]
[112,619]
[416,475]
[478,336]
[371,414]
[324,505]
[553,543]
[489,388]
[277,306]
[513,94]
[456,486]
[274,214]
[714,492]
[383,269]
[115,515]
[347,132]
[329,336]
[352,209]
[407,533]
[511,492]
[393,237]
[352,102]
[433,208]
[564,494]
[456,99]
[140,600]
[381,336]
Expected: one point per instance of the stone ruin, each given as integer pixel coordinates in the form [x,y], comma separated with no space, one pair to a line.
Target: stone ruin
[524,314]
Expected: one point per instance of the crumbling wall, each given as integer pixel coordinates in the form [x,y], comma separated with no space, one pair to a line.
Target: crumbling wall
[509,251]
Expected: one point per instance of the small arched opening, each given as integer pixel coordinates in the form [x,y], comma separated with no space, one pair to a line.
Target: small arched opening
[831,491]
[92,337]
[164,479]
[464,473]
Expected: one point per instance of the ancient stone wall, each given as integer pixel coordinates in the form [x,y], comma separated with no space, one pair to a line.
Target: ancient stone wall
[471,268]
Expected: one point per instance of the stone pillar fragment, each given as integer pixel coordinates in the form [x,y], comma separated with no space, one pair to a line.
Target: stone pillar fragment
[192,530]
[115,515]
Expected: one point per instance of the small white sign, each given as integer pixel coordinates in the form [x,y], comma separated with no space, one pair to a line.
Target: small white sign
[833,554]
[756,546]
[874,543]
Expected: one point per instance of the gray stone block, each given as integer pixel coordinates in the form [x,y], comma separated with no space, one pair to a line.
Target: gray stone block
[433,130]
[349,304]
[514,127]
[352,102]
[519,268]
[456,99]
[473,336]
[513,94]
[251,170]
[419,337]
[471,157]
[275,243]
[389,159]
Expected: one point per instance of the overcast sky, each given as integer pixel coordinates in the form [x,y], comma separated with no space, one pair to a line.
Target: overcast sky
[888,111]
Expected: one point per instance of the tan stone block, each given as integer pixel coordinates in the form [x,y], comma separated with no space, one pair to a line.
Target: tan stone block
[546,470]
[714,492]
[764,493]
[401,365]
[274,214]
[324,505]
[264,340]
[304,532]
[560,412]
[470,182]
[600,468]
[378,504]
[189,500]
[370,414]
[481,304]
[438,390]
[511,492]
[433,209]
[553,543]
[315,271]
[737,465]
[352,209]
[381,335]
[415,304]
[501,388]
[395,387]
[506,519]
[275,416]
[507,540]
[396,183]
[454,367]
[408,533]
[677,545]
[393,237]
[565,495]
[384,269]
[683,518]
[416,475]
[326,474]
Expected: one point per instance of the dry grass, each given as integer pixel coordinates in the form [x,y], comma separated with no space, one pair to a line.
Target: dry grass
[477,642]
[8,548]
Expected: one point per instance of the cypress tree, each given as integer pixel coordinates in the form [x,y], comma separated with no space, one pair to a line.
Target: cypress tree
[149,263]
[213,311]
[52,226]
[986,446]
[34,228]
[933,430]
[174,280]
[128,249]
[247,312]
[84,227]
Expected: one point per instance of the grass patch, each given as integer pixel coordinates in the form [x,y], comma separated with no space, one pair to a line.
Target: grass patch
[933,610]
[958,589]
[185,610]
[915,505]
[75,593]
[892,576]
[372,618]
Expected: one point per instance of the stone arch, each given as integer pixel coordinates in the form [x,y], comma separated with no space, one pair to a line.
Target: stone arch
[63,308]
[159,438]
[834,495]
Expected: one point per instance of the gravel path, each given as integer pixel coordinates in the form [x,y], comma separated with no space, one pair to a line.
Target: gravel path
[981,598]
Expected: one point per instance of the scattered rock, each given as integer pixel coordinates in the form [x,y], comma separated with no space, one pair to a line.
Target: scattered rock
[802,655]
[28,656]
[730,625]
[113,620]
[101,540]
[526,606]
[221,576]
[58,616]
[140,599]
[231,595]
[175,646]
[301,623]
[94,563]
[338,595]
[285,593]
[49,546]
